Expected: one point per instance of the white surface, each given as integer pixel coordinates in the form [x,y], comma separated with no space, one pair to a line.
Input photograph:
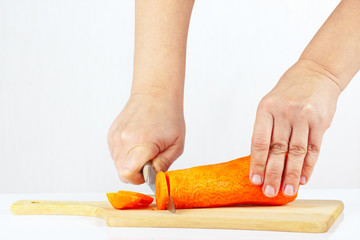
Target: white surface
[76,227]
[65,73]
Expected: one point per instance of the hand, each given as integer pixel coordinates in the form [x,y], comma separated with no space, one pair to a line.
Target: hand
[150,127]
[290,123]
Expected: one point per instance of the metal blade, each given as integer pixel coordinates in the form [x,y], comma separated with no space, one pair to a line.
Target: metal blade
[170,206]
[149,175]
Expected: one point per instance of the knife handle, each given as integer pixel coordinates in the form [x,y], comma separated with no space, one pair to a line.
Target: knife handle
[146,170]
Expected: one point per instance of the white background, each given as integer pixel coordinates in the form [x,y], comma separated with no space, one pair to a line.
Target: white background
[66,69]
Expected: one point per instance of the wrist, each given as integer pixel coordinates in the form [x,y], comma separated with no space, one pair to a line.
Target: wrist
[323,71]
[157,83]
[151,93]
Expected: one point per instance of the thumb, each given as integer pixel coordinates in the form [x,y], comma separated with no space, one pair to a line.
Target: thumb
[130,168]
[163,161]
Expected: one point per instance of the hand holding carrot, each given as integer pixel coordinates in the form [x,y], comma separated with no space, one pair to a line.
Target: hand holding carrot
[290,123]
[293,117]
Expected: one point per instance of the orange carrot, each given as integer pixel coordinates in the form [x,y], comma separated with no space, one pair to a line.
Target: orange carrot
[127,199]
[214,185]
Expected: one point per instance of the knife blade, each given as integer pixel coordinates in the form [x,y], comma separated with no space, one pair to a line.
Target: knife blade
[149,175]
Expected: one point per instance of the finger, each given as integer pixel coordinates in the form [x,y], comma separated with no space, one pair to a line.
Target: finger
[295,158]
[277,152]
[163,160]
[313,150]
[117,166]
[260,146]
[129,168]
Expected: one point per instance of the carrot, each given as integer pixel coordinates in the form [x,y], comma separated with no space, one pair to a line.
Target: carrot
[127,199]
[214,185]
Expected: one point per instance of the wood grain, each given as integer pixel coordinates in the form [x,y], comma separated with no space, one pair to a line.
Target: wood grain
[313,216]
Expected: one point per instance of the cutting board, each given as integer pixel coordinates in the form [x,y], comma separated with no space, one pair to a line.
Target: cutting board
[313,216]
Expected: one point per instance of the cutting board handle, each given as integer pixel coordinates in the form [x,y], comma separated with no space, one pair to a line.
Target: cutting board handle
[45,207]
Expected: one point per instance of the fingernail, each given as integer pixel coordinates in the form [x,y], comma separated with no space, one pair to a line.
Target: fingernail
[289,190]
[269,191]
[256,179]
[303,180]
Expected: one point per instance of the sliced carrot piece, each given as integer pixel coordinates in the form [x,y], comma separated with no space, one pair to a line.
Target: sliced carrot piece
[145,199]
[161,191]
[122,201]
[128,199]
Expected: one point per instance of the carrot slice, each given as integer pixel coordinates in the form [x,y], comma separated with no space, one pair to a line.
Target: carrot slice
[122,201]
[145,199]
[161,191]
[128,199]
[214,185]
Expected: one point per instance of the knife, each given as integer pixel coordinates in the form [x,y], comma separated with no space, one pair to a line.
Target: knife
[149,175]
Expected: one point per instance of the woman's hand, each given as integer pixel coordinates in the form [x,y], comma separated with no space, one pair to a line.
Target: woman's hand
[290,123]
[150,127]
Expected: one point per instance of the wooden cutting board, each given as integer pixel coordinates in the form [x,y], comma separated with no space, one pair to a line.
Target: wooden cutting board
[313,216]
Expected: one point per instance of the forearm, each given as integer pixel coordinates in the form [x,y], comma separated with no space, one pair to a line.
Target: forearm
[161,28]
[335,49]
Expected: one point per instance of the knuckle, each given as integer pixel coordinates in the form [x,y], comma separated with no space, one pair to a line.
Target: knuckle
[135,138]
[125,173]
[313,149]
[165,163]
[308,110]
[260,145]
[293,106]
[321,117]
[257,164]
[307,168]
[324,121]
[273,174]
[161,163]
[293,174]
[180,150]
[278,148]
[297,150]
[266,103]
[126,136]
